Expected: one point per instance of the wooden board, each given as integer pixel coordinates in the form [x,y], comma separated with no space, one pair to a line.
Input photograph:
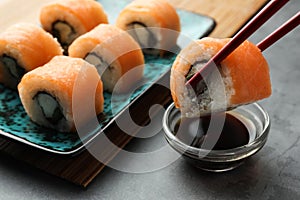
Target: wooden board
[230,15]
[82,169]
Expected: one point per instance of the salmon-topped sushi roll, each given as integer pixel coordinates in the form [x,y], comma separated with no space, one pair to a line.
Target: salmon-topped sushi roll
[155,24]
[243,77]
[23,47]
[68,19]
[116,55]
[50,93]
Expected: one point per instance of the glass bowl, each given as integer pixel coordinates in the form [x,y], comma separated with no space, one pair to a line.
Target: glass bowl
[256,120]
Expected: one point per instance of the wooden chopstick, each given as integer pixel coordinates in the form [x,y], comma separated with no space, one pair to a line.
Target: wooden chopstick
[280,32]
[267,12]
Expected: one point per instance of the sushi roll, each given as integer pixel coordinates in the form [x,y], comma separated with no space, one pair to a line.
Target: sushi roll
[47,92]
[23,47]
[116,55]
[244,77]
[154,24]
[68,19]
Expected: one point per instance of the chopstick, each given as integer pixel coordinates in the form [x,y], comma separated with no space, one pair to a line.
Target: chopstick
[280,32]
[267,12]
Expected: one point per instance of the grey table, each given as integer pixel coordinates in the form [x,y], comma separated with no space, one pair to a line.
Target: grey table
[273,173]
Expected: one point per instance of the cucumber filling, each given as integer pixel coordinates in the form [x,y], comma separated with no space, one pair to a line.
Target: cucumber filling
[201,87]
[64,33]
[15,70]
[143,35]
[98,62]
[50,107]
[105,70]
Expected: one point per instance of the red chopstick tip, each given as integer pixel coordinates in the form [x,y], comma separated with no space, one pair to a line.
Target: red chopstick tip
[202,73]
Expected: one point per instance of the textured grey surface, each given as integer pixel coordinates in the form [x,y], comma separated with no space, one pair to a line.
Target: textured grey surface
[273,173]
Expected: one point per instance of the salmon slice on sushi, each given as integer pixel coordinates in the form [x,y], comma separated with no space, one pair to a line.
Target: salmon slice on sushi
[68,19]
[116,55]
[154,24]
[47,93]
[242,78]
[24,47]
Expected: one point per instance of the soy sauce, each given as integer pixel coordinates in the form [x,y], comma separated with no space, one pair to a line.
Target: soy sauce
[221,132]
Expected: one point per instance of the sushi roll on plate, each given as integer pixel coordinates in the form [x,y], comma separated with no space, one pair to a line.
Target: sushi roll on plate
[68,19]
[116,55]
[154,24]
[23,47]
[50,93]
[242,78]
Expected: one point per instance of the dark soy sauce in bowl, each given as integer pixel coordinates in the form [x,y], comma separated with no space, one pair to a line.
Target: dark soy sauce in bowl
[194,131]
[220,142]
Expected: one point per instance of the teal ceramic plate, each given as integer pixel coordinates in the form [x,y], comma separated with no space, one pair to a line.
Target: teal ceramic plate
[16,125]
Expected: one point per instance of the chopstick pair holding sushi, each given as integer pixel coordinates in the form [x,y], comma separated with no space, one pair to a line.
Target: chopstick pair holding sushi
[244,71]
